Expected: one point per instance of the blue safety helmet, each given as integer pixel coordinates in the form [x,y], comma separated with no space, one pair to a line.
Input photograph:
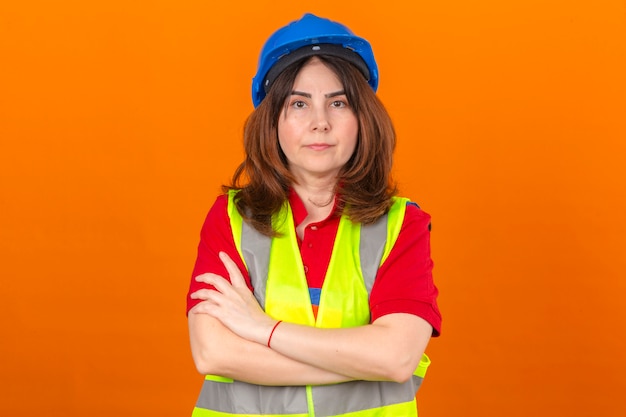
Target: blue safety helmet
[311,35]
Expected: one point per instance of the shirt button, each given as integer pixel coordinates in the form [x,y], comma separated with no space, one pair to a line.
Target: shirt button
[306,269]
[310,245]
[313,227]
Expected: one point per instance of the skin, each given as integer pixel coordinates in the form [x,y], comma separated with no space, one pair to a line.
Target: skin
[229,331]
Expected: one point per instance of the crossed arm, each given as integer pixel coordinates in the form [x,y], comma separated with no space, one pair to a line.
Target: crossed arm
[229,333]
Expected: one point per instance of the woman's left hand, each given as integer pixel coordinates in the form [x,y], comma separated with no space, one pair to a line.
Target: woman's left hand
[233,304]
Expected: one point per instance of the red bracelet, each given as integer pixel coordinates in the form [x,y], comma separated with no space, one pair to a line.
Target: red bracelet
[272,333]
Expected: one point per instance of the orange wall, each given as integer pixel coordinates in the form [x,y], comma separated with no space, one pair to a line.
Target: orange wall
[119,120]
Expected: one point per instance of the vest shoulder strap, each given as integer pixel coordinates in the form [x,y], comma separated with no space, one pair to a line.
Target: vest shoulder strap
[253,247]
[378,238]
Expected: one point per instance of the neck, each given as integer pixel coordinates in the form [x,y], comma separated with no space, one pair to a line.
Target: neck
[318,199]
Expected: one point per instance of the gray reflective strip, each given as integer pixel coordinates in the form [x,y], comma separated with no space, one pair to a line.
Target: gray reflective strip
[417,382]
[329,400]
[255,248]
[332,400]
[242,398]
[371,249]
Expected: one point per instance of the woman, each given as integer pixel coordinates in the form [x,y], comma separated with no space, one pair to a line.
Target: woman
[312,291]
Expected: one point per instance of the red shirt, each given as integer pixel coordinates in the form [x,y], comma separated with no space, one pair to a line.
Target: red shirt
[404,282]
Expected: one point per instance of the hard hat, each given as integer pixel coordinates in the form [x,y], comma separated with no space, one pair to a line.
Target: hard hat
[311,35]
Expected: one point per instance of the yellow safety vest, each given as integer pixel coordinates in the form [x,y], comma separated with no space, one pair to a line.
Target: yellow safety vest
[277,274]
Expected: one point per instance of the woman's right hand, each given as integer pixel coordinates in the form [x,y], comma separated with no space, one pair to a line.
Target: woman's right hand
[233,304]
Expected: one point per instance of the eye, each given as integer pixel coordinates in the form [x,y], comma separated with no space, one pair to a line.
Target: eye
[297,104]
[339,104]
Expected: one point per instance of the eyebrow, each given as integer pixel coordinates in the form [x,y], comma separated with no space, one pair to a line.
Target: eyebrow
[308,95]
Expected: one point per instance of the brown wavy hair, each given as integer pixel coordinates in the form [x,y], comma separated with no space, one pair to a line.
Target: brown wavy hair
[364,185]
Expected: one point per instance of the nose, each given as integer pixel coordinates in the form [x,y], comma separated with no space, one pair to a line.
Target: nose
[320,122]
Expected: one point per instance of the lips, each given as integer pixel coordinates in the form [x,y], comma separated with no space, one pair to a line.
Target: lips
[319,146]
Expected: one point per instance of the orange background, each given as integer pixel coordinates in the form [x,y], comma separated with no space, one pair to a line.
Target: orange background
[120,120]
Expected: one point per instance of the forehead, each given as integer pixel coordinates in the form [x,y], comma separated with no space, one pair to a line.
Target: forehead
[317,72]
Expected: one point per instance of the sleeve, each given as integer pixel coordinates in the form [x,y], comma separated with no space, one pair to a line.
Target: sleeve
[215,236]
[404,282]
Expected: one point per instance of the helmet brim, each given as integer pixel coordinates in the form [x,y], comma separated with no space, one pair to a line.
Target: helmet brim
[314,50]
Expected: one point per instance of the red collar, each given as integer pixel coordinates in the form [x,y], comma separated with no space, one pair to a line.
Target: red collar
[299,211]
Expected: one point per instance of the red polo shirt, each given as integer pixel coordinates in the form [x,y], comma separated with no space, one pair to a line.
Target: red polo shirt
[404,282]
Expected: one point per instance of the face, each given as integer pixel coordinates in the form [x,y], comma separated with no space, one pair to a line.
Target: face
[317,129]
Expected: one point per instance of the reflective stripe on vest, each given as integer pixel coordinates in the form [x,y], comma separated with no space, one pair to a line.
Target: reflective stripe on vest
[277,276]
